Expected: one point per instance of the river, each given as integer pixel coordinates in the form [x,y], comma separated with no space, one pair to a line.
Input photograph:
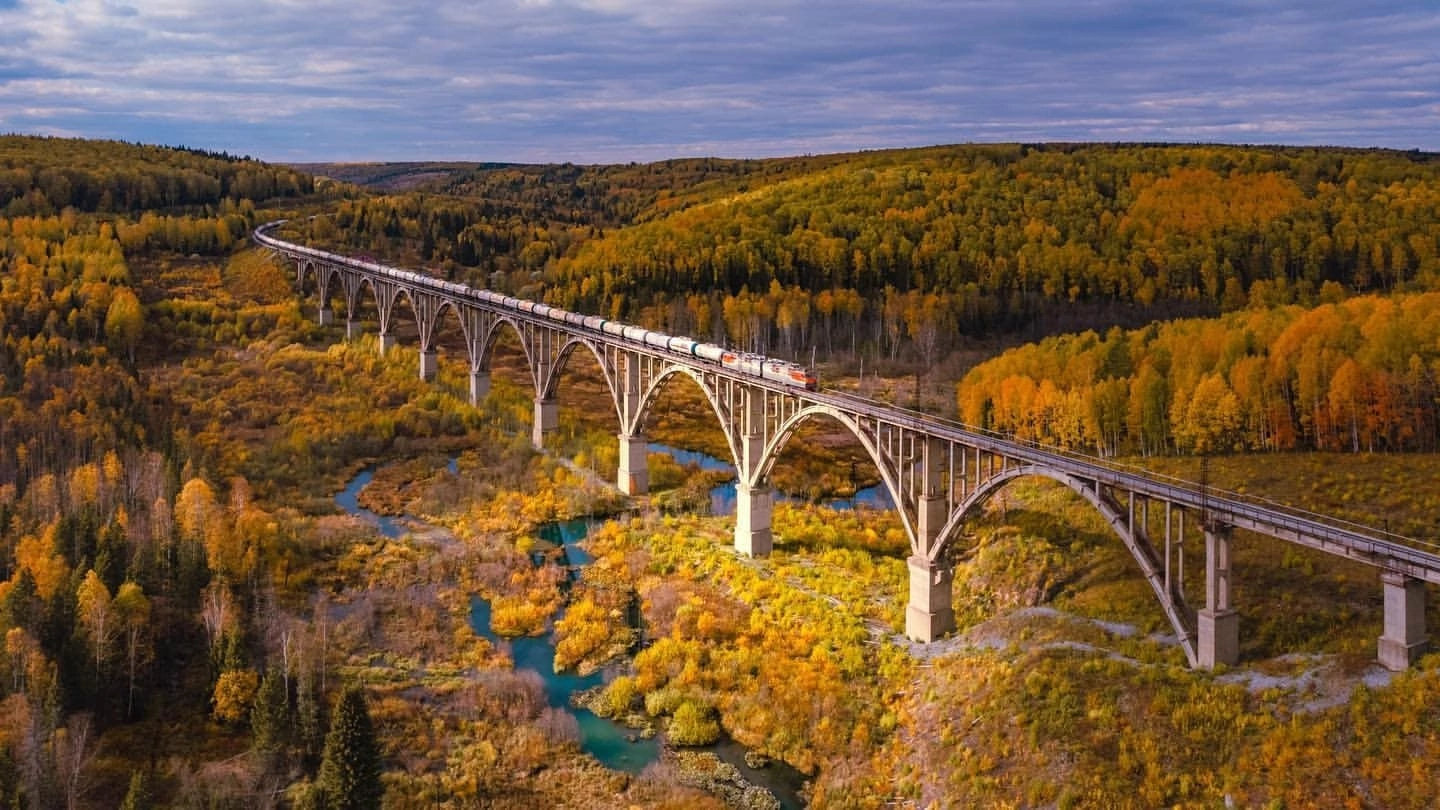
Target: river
[722,496]
[612,744]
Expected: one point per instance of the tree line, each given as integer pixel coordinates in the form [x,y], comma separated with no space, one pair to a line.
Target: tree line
[1352,374]
[44,176]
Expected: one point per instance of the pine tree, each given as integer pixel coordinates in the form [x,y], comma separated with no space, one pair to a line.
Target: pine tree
[309,720]
[270,716]
[350,769]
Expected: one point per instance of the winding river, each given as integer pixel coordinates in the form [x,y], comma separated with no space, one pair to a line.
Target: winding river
[613,745]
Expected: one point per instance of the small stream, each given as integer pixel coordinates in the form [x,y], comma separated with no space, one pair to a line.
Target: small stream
[615,746]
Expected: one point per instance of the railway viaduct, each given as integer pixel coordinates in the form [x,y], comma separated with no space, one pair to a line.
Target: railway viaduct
[938,473]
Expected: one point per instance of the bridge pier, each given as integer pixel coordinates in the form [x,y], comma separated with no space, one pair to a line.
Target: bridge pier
[387,342]
[479,386]
[1217,624]
[429,364]
[1404,640]
[352,329]
[931,612]
[327,315]
[547,419]
[754,507]
[634,475]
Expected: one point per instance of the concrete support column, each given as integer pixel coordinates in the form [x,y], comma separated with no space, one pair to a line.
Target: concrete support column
[931,612]
[327,315]
[1404,640]
[352,329]
[1218,624]
[931,510]
[479,386]
[429,364]
[547,418]
[753,509]
[754,505]
[634,475]
[387,342]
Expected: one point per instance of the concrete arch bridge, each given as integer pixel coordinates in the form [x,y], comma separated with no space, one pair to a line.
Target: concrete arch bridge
[938,473]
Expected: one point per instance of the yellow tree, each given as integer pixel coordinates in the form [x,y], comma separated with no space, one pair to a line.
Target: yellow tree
[132,614]
[39,555]
[24,656]
[114,472]
[85,485]
[1346,398]
[124,322]
[1211,419]
[195,508]
[235,694]
[94,610]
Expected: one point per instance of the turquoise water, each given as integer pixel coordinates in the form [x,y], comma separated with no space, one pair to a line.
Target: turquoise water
[722,497]
[609,742]
[606,741]
[349,500]
[602,739]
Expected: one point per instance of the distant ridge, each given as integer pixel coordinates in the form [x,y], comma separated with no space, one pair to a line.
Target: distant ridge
[391,177]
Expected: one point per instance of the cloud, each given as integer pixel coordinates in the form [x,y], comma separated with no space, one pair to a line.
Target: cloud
[617,80]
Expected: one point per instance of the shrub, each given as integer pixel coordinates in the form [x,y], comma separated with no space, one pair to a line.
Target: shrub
[694,724]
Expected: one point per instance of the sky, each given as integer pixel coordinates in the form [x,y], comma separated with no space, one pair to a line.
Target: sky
[613,81]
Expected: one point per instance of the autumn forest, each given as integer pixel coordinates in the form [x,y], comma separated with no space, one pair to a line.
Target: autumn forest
[189,620]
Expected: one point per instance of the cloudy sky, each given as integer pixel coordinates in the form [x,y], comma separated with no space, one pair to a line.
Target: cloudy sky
[619,80]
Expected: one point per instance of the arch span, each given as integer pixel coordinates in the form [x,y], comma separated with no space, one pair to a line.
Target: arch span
[724,411]
[1171,601]
[485,344]
[888,474]
[607,371]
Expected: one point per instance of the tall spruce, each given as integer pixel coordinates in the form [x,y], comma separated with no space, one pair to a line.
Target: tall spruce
[350,769]
[270,717]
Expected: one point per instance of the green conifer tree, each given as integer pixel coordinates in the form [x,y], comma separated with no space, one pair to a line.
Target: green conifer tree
[350,768]
[270,716]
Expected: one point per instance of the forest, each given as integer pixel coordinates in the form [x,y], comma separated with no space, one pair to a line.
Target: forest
[189,622]
[1351,374]
[982,240]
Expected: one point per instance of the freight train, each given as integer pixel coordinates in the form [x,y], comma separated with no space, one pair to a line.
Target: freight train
[752,365]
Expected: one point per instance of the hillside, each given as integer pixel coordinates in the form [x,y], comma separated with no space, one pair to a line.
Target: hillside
[42,176]
[1026,238]
[908,255]
[391,177]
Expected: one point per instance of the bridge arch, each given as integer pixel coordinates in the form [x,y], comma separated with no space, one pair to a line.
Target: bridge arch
[607,370]
[1171,601]
[490,335]
[815,412]
[303,268]
[722,410]
[321,279]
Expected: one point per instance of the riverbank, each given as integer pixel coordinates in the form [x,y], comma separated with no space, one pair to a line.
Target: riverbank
[558,545]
